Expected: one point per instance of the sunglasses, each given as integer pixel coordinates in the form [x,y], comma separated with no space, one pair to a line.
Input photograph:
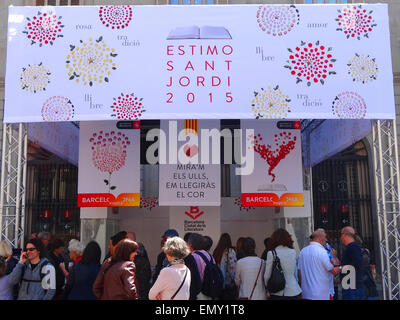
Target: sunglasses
[31,249]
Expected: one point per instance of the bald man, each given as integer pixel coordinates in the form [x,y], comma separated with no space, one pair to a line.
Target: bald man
[352,255]
[315,269]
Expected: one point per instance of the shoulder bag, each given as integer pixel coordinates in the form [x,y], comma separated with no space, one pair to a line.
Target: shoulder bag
[184,278]
[255,284]
[277,280]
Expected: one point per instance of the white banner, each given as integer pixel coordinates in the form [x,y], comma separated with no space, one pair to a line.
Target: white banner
[203,220]
[186,179]
[202,62]
[277,178]
[109,165]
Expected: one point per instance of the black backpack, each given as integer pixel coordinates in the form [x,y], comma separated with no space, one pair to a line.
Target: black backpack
[213,280]
[277,280]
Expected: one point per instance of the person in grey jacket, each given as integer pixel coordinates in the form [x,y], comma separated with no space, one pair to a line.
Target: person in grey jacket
[35,274]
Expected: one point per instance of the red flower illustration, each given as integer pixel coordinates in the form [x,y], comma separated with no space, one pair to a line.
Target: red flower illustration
[311,62]
[116,17]
[277,20]
[285,142]
[355,21]
[127,107]
[57,108]
[43,28]
[109,152]
[349,105]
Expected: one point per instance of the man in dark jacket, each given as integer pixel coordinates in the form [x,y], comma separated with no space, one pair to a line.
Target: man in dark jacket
[56,247]
[352,256]
[195,283]
[143,268]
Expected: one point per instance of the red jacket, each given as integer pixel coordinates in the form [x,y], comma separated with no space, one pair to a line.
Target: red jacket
[118,283]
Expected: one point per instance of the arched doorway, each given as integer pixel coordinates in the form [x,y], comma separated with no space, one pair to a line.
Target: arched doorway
[341,193]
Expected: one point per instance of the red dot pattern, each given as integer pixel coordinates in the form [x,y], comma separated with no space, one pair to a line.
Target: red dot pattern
[311,62]
[109,150]
[238,202]
[355,22]
[43,28]
[148,203]
[57,108]
[115,17]
[128,107]
[277,20]
[349,105]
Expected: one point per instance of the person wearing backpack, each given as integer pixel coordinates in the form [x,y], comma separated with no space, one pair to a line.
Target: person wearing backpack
[35,273]
[282,250]
[249,273]
[210,274]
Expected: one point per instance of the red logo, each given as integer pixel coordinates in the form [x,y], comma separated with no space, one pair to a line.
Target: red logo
[324,208]
[46,214]
[194,213]
[297,125]
[136,125]
[344,208]
[67,213]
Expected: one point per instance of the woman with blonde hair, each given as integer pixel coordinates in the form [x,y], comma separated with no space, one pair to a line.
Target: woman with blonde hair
[6,252]
[173,282]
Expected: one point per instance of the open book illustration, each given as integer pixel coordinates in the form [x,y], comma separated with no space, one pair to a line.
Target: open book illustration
[272,187]
[195,32]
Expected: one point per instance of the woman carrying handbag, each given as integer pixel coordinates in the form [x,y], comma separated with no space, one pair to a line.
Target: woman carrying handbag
[282,255]
[249,271]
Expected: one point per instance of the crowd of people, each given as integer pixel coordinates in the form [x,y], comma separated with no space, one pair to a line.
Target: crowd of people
[49,269]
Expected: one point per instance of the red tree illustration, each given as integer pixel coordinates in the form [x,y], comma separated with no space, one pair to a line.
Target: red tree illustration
[285,142]
[109,152]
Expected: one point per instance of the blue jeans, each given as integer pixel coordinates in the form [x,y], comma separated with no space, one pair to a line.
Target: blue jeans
[353,294]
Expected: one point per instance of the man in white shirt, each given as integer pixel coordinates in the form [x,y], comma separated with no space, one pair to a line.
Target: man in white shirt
[315,269]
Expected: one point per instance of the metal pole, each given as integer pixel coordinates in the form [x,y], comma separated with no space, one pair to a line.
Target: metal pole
[3,177]
[9,179]
[18,191]
[378,194]
[396,200]
[383,215]
[24,186]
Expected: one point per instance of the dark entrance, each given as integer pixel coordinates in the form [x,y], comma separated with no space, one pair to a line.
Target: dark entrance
[341,196]
[51,195]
